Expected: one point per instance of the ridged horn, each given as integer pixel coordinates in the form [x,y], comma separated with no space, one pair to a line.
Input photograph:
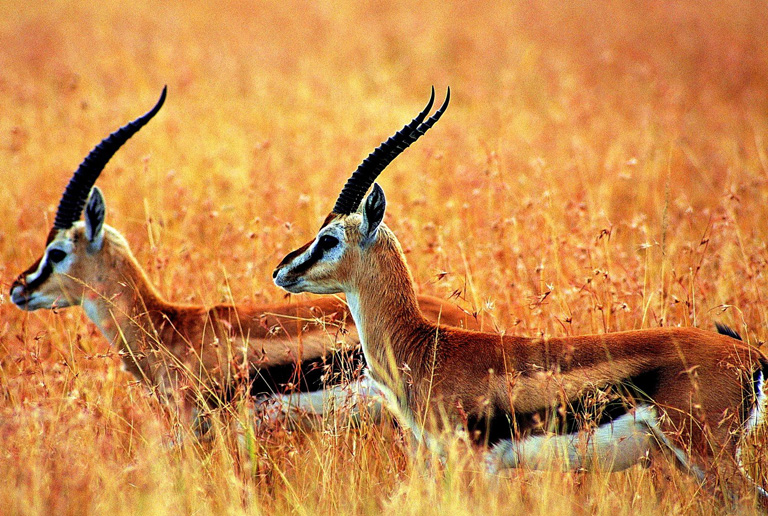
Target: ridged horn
[72,202]
[367,172]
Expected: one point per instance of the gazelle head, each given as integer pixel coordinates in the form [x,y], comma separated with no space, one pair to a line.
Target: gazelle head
[70,264]
[328,263]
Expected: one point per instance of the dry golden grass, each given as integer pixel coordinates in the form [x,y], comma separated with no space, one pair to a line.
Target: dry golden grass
[602,167]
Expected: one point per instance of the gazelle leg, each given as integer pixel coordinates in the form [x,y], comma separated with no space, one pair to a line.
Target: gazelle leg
[358,399]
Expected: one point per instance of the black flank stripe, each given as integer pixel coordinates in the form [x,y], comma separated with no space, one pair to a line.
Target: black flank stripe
[587,412]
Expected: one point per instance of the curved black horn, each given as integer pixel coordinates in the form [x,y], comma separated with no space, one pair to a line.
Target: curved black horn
[367,172]
[76,193]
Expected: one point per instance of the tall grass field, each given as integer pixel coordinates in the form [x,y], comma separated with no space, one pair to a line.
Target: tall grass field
[603,166]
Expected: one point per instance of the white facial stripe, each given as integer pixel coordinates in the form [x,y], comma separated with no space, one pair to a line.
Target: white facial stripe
[64,265]
[33,277]
[328,255]
[61,267]
[305,271]
[303,257]
[335,253]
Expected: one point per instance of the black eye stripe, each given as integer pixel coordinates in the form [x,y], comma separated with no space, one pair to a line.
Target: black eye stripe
[44,274]
[312,259]
[325,243]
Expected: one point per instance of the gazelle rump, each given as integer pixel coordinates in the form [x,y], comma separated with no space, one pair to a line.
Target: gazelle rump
[591,401]
[188,353]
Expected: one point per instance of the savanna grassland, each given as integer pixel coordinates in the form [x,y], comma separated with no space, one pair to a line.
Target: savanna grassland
[602,167]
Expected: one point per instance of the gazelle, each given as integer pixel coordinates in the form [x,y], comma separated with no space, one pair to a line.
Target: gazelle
[186,352]
[592,401]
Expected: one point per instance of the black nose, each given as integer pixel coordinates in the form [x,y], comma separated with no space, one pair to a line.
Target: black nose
[274,273]
[17,294]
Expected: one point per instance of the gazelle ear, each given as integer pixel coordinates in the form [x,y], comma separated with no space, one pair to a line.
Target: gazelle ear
[373,214]
[95,211]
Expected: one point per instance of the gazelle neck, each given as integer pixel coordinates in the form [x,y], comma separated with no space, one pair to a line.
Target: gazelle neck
[120,297]
[383,303]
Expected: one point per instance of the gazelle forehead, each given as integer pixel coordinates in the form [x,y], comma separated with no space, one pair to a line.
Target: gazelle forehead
[336,229]
[70,235]
[76,235]
[66,244]
[342,226]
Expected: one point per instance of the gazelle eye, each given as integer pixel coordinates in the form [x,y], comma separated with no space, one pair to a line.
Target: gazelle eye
[327,242]
[56,255]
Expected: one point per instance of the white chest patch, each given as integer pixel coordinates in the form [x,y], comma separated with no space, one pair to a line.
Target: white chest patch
[95,313]
[398,407]
[353,301]
[32,277]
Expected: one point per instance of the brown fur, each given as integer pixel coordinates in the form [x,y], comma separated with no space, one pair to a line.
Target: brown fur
[183,350]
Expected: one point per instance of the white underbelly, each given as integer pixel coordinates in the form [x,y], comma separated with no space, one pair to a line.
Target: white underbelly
[614,446]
